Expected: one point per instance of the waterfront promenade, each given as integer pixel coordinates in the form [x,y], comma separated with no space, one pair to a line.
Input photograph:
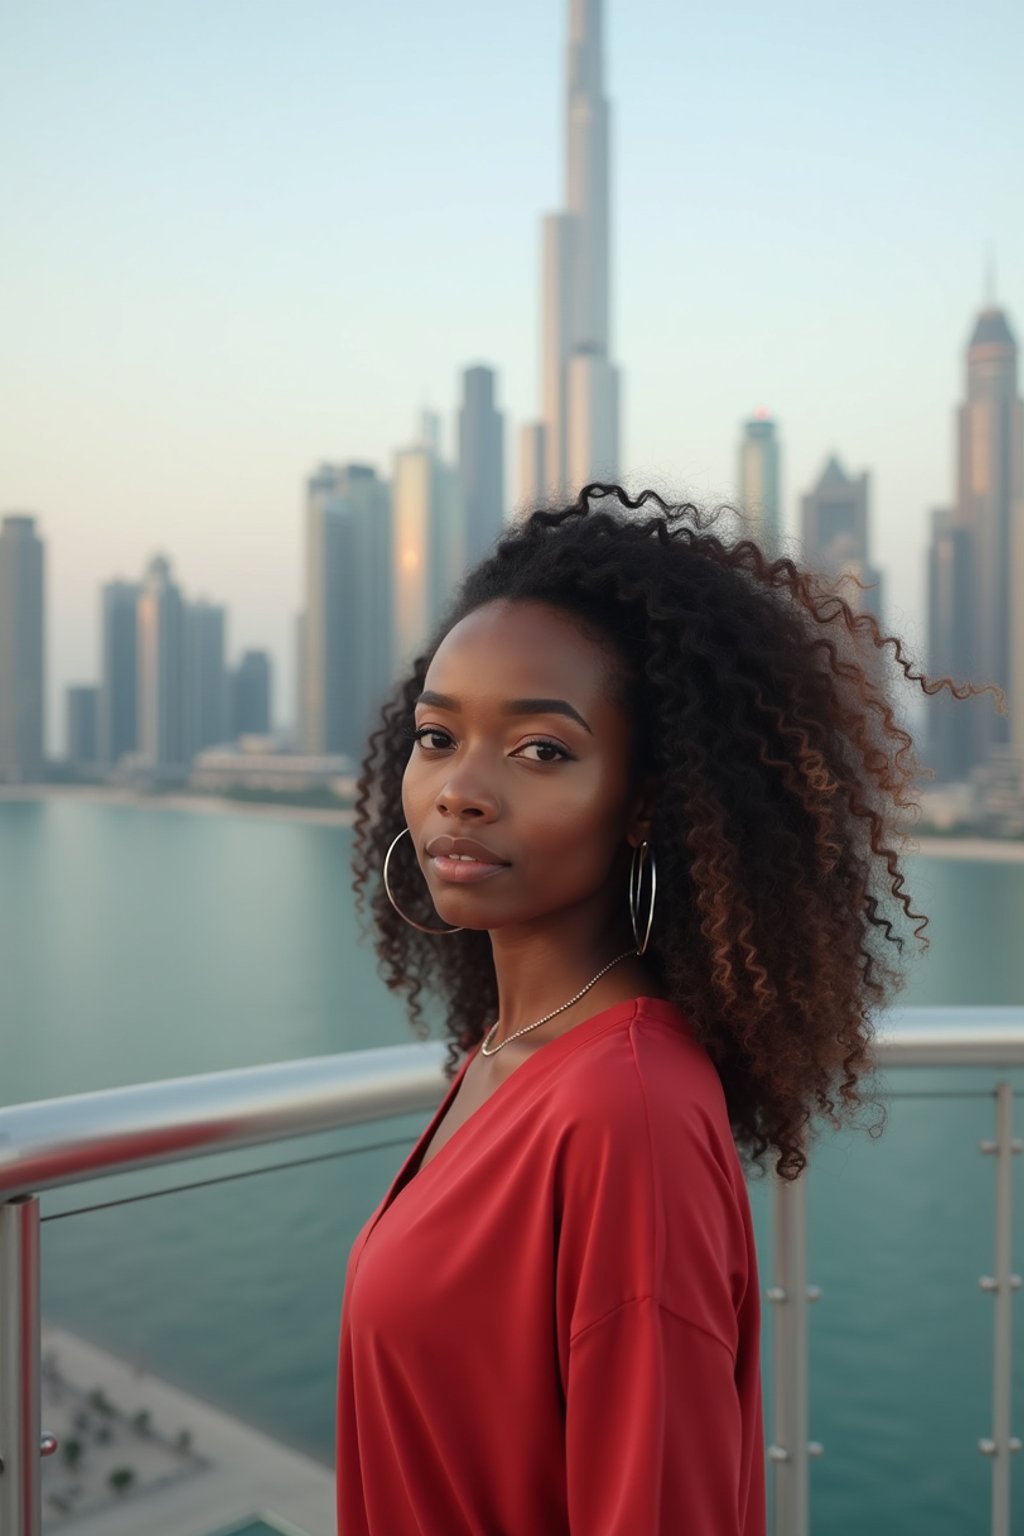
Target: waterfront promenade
[219,1473]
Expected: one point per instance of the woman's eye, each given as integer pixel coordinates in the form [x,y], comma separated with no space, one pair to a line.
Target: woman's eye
[546,746]
[428,730]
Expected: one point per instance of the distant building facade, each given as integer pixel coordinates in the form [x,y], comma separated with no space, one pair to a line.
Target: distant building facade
[117,727]
[162,740]
[257,763]
[481,463]
[429,548]
[758,480]
[976,575]
[834,534]
[990,507]
[533,476]
[82,736]
[205,677]
[22,650]
[250,696]
[579,430]
[346,629]
[950,617]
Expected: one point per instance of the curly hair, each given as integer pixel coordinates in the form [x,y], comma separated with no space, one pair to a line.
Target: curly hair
[761,705]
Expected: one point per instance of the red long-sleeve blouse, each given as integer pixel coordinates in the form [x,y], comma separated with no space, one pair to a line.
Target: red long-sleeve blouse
[552,1329]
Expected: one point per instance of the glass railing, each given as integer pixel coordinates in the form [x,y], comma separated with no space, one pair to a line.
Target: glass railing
[189,1336]
[185,1359]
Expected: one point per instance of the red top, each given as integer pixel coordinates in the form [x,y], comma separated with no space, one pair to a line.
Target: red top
[553,1328]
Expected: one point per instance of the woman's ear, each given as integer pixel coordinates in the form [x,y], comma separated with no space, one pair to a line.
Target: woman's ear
[642,813]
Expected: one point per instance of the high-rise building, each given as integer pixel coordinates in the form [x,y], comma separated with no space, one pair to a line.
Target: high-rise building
[82,712]
[579,383]
[346,628]
[206,678]
[834,532]
[533,476]
[300,733]
[250,695]
[950,618]
[758,480]
[481,438]
[22,650]
[117,728]
[990,508]
[162,742]
[429,550]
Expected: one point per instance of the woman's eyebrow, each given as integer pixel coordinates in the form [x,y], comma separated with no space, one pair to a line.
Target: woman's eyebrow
[510,706]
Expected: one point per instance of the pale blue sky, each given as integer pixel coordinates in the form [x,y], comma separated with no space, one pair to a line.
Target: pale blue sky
[240,236]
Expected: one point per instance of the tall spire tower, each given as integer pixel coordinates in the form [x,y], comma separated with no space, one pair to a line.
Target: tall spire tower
[578,437]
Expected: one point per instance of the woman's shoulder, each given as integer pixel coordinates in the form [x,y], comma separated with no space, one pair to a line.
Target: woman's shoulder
[648,1075]
[655,1037]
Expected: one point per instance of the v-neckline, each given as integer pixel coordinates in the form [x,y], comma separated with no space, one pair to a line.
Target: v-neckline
[551,1052]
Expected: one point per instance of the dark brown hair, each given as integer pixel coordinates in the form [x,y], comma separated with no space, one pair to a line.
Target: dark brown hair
[762,706]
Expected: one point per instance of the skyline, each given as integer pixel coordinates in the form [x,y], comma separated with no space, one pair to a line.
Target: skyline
[155,380]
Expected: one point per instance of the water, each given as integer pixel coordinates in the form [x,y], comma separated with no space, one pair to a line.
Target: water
[141,944]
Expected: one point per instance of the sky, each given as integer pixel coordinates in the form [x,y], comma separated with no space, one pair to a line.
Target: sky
[242,237]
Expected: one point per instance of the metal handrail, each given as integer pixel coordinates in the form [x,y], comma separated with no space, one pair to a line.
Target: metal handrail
[54,1143]
[57,1142]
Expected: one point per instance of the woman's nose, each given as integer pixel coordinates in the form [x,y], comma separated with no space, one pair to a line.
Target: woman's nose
[462,793]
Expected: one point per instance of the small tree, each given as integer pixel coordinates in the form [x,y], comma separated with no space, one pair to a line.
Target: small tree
[72,1450]
[183,1441]
[142,1422]
[121,1478]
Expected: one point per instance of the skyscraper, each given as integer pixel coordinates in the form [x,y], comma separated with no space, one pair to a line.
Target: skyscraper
[250,695]
[117,721]
[990,508]
[834,532]
[758,479]
[481,438]
[301,733]
[206,678]
[161,672]
[429,551]
[950,618]
[579,384]
[533,476]
[81,704]
[346,630]
[22,650]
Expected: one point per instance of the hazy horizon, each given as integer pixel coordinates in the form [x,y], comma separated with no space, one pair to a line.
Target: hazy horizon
[244,237]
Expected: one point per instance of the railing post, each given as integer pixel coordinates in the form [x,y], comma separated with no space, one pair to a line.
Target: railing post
[1002,1284]
[790,1450]
[20,1428]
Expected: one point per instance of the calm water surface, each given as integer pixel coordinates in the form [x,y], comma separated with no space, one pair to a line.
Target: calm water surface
[142,944]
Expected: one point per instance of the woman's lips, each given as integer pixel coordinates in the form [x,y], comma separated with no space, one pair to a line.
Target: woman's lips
[464,871]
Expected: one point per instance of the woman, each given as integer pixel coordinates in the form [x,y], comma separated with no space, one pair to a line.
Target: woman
[629,816]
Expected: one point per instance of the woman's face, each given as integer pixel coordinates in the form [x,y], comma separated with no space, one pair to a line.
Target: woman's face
[522,749]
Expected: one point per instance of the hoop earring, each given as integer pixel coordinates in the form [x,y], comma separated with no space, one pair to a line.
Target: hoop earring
[394,903]
[636,875]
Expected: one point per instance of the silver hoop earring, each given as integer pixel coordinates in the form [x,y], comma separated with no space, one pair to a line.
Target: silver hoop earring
[641,856]
[394,903]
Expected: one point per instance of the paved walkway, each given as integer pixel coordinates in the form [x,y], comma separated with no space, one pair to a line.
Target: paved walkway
[224,1472]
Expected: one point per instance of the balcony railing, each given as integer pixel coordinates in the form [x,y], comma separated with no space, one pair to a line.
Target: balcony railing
[59,1142]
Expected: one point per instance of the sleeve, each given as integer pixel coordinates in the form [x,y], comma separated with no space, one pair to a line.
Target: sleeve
[654,1429]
